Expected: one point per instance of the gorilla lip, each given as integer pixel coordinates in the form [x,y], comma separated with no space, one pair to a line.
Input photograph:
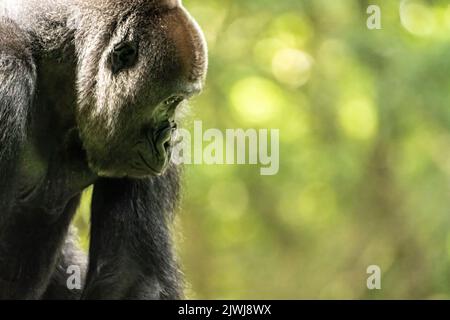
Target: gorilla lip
[164,132]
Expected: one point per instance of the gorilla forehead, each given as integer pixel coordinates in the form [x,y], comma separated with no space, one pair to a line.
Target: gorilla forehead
[122,5]
[114,11]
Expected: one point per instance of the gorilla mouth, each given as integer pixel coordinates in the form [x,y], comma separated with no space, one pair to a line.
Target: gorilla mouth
[166,125]
[162,137]
[164,132]
[159,136]
[159,153]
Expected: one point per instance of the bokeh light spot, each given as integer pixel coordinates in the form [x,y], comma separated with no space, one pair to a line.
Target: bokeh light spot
[417,18]
[256,100]
[292,67]
[358,118]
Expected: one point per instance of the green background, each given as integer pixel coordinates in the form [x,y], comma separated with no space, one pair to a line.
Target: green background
[364,179]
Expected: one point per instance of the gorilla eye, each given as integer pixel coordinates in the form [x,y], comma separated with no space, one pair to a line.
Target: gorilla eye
[124,56]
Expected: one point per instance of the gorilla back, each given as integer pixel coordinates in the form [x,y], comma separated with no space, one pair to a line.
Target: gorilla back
[89,93]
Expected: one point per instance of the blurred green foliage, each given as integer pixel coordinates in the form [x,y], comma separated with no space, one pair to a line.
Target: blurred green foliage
[364,179]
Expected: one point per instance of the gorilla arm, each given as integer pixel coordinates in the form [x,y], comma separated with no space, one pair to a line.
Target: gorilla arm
[17,85]
[131,248]
[30,238]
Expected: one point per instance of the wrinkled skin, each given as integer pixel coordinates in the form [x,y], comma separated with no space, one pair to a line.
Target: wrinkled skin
[89,94]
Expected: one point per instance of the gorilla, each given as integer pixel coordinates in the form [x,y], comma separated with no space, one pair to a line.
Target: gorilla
[90,92]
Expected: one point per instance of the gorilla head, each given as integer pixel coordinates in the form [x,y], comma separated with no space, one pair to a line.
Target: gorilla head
[137,62]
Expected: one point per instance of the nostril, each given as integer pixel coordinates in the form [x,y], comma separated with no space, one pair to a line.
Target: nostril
[183,92]
[174,100]
[171,104]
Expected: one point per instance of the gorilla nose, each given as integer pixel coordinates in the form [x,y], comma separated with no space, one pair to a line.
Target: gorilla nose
[183,92]
[167,107]
[170,104]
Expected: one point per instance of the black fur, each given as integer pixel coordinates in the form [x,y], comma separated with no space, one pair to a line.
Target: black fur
[17,85]
[131,252]
[68,122]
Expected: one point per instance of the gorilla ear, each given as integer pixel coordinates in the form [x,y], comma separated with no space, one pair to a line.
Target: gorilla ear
[123,56]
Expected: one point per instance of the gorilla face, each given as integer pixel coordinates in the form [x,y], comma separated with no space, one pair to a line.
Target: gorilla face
[136,66]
